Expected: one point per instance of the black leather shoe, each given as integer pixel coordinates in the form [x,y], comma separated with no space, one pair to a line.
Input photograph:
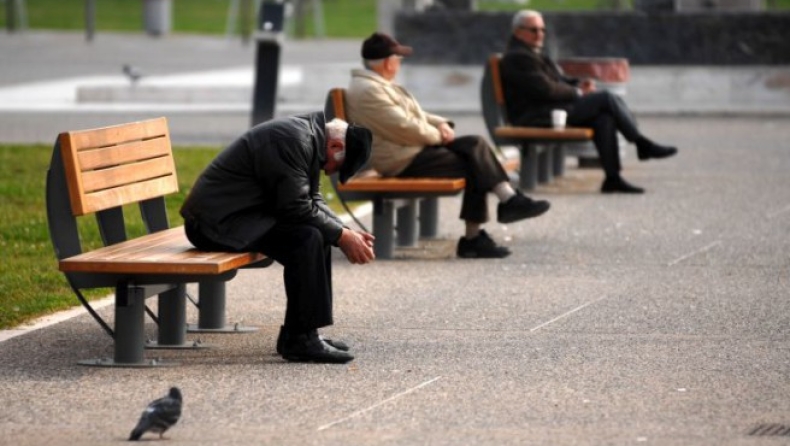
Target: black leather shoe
[619,185]
[520,207]
[283,338]
[309,347]
[480,247]
[646,149]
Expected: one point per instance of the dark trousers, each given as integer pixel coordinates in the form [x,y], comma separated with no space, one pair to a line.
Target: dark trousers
[606,113]
[467,156]
[307,271]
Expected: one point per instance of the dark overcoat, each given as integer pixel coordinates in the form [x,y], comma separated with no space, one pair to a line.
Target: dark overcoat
[269,175]
[533,85]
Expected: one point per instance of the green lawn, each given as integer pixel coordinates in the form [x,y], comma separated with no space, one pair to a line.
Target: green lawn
[342,18]
[30,282]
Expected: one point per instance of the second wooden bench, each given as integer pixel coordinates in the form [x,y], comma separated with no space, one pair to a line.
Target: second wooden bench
[398,203]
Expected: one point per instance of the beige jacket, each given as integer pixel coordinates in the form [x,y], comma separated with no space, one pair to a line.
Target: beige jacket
[400,127]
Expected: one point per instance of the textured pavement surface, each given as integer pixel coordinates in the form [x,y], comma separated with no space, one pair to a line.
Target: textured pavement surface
[656,319]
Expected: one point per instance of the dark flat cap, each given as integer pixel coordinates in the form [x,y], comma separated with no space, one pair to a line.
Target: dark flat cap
[358,143]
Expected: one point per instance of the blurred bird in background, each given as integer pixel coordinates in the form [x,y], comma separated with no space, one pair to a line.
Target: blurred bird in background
[132,73]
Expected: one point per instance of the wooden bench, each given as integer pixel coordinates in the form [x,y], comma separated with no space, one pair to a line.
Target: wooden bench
[395,200]
[542,149]
[96,173]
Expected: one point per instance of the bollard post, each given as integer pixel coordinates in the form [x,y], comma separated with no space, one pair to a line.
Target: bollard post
[157,17]
[90,19]
[267,60]
[11,15]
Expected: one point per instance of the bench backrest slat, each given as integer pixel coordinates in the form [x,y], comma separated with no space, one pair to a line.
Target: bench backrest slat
[496,80]
[338,103]
[118,165]
[492,98]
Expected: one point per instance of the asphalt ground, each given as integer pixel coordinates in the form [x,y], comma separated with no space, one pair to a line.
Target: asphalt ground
[653,319]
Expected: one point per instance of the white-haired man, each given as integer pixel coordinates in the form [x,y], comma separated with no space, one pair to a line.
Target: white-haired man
[534,85]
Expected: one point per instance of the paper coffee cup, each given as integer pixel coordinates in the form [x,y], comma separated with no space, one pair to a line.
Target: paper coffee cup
[558,118]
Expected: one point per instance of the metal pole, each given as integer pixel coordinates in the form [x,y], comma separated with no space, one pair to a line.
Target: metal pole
[318,19]
[10,15]
[245,27]
[90,19]
[267,63]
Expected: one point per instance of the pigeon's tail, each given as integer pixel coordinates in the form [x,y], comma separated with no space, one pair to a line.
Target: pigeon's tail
[136,434]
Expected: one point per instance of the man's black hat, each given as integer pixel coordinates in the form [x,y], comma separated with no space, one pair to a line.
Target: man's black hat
[382,46]
[358,143]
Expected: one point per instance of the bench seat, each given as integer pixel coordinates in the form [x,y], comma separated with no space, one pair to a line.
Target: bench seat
[544,134]
[163,252]
[403,185]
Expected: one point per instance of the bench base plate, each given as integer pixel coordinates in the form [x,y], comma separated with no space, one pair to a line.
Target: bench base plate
[109,362]
[228,329]
[193,345]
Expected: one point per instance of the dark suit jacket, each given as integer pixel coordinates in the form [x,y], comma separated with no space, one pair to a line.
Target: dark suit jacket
[270,175]
[533,85]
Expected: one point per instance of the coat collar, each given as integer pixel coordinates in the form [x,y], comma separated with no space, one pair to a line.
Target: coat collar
[516,44]
[371,75]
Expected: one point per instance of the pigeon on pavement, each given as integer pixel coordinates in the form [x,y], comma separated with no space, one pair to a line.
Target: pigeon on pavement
[159,416]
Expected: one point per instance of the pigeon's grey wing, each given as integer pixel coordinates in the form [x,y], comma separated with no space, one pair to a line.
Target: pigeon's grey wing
[165,412]
[145,423]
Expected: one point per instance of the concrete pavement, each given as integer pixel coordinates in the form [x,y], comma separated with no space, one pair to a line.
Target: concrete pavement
[657,319]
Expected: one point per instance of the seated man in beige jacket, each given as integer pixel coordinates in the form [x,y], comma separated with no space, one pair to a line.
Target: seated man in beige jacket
[408,142]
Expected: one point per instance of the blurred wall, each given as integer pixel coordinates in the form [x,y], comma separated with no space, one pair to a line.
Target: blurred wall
[660,38]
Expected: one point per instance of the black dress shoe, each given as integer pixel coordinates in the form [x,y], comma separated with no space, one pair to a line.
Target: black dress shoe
[283,338]
[480,247]
[309,347]
[619,185]
[646,149]
[520,207]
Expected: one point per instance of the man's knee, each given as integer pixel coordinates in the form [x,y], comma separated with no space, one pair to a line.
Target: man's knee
[310,236]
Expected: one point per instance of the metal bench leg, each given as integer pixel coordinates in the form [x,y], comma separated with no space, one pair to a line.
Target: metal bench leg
[545,164]
[173,321]
[129,331]
[172,318]
[429,217]
[407,223]
[383,228]
[559,160]
[211,311]
[528,171]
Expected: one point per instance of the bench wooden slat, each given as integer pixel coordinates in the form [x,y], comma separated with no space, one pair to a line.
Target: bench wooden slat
[119,134]
[105,169]
[103,157]
[339,103]
[164,252]
[109,198]
[499,94]
[124,175]
[541,133]
[382,184]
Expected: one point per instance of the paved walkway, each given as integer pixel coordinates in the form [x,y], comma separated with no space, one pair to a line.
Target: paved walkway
[657,319]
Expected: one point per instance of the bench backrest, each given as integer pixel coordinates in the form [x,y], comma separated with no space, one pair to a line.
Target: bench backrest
[98,171]
[492,98]
[336,104]
[335,107]
[118,165]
